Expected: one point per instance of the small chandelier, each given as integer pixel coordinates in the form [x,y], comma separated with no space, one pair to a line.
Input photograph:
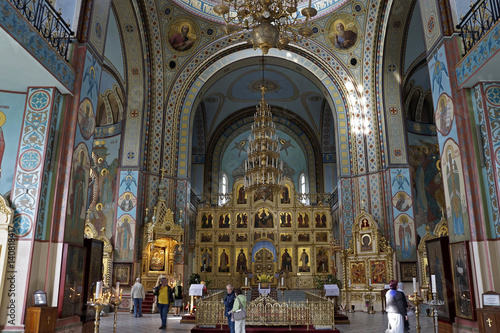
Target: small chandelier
[263,168]
[271,22]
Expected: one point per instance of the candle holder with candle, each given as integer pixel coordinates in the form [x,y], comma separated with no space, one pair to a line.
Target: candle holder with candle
[99,302]
[117,300]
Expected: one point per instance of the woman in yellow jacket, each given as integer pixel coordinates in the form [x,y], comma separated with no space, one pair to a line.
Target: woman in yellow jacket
[165,298]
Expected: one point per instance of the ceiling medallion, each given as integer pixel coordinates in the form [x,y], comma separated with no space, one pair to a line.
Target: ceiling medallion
[271,22]
[271,85]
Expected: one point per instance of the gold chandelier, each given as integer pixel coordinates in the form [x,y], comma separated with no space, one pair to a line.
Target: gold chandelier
[263,168]
[271,22]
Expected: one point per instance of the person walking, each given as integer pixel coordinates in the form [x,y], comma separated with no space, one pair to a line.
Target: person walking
[177,299]
[138,294]
[240,303]
[228,304]
[164,300]
[401,288]
[395,307]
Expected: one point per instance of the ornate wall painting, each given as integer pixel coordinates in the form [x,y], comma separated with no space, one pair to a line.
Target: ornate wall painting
[77,203]
[241,195]
[285,220]
[430,22]
[241,220]
[343,32]
[303,220]
[258,197]
[408,271]
[11,121]
[445,114]
[405,236]
[224,220]
[124,238]
[427,183]
[223,260]
[127,201]
[86,118]
[224,237]
[285,195]
[463,288]
[456,199]
[438,256]
[206,259]
[241,259]
[378,272]
[402,201]
[358,272]
[286,237]
[322,260]
[366,243]
[304,255]
[122,273]
[286,262]
[263,219]
[241,237]
[207,221]
[321,220]
[72,281]
[182,34]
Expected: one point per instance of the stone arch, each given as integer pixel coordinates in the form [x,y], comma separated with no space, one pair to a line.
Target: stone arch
[343,97]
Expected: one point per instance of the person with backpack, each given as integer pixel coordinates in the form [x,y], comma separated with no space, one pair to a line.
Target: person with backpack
[177,299]
[164,299]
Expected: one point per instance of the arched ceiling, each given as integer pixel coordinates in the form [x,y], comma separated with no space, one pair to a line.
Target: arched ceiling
[204,8]
[237,87]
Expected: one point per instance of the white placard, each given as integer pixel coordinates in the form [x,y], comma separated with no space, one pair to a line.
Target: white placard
[491,300]
[331,290]
[196,290]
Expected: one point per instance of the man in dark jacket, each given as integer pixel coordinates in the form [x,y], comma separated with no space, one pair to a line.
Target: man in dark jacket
[396,309]
[228,304]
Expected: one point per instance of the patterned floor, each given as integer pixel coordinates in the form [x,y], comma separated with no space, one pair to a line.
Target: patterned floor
[360,322]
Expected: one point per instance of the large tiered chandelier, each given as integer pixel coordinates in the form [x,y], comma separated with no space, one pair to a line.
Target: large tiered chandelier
[263,168]
[271,22]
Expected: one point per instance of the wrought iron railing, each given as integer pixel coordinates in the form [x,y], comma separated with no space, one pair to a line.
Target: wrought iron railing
[478,21]
[195,200]
[48,22]
[316,312]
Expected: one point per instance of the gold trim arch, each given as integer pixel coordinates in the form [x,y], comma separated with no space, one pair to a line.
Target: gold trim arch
[90,232]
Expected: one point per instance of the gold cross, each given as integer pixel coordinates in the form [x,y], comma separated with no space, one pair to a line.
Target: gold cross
[48,320]
[489,321]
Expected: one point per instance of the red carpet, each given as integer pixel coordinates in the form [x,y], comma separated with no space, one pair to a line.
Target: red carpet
[264,329]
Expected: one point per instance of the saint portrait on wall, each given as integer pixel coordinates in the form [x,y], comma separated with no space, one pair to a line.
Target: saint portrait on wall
[322,260]
[402,201]
[241,195]
[343,32]
[304,265]
[241,260]
[444,114]
[223,261]
[207,220]
[263,219]
[182,35]
[241,220]
[127,201]
[206,260]
[86,118]
[366,243]
[285,195]
[358,273]
[286,259]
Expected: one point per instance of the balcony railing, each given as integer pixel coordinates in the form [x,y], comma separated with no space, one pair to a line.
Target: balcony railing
[478,21]
[48,22]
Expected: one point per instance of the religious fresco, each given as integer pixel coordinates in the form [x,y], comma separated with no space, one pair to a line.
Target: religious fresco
[77,200]
[404,227]
[285,220]
[378,272]
[86,118]
[286,259]
[241,259]
[263,219]
[454,189]
[358,272]
[241,196]
[444,114]
[103,184]
[426,181]
[124,231]
[206,259]
[242,220]
[343,32]
[224,221]
[303,220]
[11,120]
[182,34]
[430,22]
[223,260]
[304,259]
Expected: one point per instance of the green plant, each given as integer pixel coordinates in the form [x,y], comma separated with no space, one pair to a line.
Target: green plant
[208,281]
[320,281]
[194,279]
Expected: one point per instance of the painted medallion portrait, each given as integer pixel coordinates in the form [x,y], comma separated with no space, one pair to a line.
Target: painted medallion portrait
[343,33]
[86,118]
[444,114]
[182,35]
[402,201]
[127,201]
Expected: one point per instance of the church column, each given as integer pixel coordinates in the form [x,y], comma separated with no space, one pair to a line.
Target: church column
[30,179]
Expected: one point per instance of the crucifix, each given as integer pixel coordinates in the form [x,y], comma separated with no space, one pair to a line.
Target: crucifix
[489,321]
[162,172]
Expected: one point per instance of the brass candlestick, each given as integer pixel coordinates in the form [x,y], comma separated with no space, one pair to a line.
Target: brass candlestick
[417,300]
[97,308]
[369,298]
[434,304]
[282,289]
[117,301]
[245,290]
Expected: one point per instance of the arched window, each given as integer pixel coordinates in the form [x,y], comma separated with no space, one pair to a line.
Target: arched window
[302,187]
[224,189]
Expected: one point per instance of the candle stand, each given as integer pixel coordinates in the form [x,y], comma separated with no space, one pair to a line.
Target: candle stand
[368,298]
[417,300]
[245,290]
[116,302]
[434,304]
[282,289]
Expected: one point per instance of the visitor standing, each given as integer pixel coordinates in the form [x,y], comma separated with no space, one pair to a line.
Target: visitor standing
[401,287]
[138,294]
[240,303]
[177,299]
[228,304]
[164,300]
[395,307]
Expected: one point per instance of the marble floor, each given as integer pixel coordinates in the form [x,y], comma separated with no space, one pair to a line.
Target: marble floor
[360,322]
